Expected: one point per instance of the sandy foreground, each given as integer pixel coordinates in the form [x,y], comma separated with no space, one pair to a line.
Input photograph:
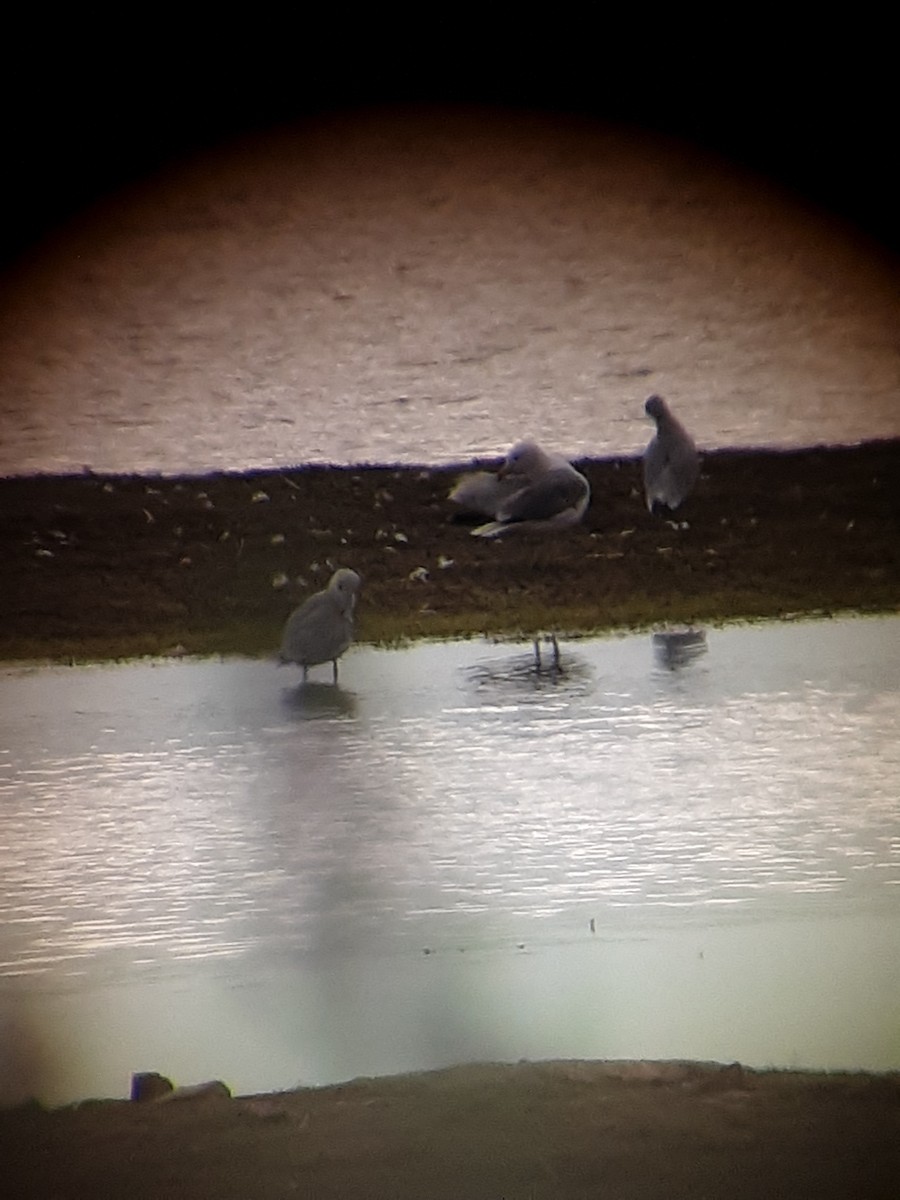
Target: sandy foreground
[530,1131]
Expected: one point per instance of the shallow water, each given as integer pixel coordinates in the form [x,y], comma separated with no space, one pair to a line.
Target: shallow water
[432,289]
[660,850]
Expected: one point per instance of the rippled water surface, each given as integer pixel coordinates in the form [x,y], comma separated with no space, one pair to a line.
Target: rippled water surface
[431,289]
[661,850]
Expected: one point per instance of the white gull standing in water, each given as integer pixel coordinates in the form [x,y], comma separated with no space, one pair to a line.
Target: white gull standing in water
[671,461]
[321,629]
[547,493]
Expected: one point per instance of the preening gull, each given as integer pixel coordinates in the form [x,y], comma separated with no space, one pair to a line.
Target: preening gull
[671,461]
[482,492]
[321,629]
[550,494]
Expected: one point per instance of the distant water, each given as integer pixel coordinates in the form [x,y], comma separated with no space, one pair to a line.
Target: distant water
[430,288]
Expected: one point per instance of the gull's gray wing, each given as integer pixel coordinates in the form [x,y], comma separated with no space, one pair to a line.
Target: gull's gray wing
[671,467]
[553,493]
[484,492]
[317,631]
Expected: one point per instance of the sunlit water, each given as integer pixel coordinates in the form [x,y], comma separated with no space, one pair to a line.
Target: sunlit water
[209,871]
[430,289]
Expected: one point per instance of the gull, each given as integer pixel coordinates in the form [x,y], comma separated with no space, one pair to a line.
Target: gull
[671,461]
[321,629]
[550,494]
[483,492]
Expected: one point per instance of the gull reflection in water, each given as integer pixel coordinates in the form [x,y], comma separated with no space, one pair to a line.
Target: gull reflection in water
[563,673]
[319,701]
[677,648]
[553,662]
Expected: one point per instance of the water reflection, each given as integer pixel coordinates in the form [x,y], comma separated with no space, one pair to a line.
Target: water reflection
[675,648]
[523,676]
[311,701]
[192,838]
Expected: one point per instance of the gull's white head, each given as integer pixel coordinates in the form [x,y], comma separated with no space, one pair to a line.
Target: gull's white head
[525,458]
[656,407]
[346,584]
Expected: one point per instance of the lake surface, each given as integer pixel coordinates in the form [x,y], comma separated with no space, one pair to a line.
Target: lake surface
[658,851]
[431,288]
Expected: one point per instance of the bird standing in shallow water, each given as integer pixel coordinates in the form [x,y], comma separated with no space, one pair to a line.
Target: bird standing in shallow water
[321,629]
[671,461]
[552,494]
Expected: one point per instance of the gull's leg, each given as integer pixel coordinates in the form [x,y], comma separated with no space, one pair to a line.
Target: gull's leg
[537,653]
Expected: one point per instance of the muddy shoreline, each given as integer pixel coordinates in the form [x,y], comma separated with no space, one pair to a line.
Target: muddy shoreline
[101,567]
[527,1131]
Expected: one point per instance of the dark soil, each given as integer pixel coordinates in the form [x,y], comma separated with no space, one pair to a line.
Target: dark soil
[544,1131]
[111,566]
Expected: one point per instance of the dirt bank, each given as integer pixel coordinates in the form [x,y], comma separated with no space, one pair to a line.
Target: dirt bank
[107,566]
[544,1131]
